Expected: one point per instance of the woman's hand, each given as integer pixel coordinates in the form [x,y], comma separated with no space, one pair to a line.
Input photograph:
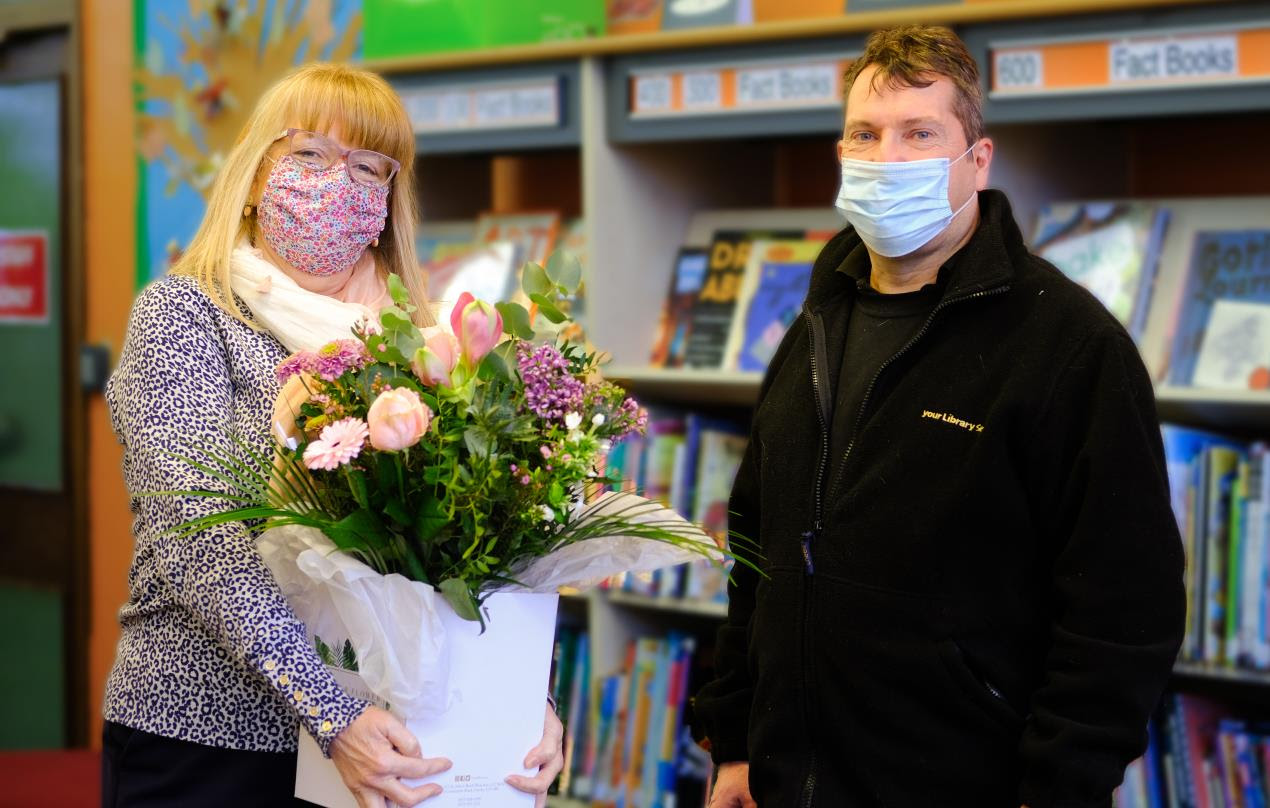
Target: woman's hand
[548,756]
[377,749]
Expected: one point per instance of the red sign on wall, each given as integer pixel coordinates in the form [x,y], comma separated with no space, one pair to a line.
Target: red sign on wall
[24,276]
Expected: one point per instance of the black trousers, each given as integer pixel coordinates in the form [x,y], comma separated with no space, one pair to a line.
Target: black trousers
[143,770]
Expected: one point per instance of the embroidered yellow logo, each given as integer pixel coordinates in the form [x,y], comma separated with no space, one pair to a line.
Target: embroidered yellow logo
[949,418]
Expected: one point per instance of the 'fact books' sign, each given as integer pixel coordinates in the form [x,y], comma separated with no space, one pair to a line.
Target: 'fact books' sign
[24,277]
[1174,59]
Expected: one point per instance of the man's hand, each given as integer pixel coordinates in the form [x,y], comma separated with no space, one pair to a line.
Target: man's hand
[732,787]
[377,749]
[548,756]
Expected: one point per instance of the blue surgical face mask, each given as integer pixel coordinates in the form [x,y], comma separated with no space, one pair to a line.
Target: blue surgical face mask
[897,208]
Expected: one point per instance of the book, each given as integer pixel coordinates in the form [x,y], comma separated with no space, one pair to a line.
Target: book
[633,16]
[436,241]
[716,302]
[686,280]
[1234,353]
[488,272]
[777,276]
[1225,265]
[1110,248]
[697,13]
[533,234]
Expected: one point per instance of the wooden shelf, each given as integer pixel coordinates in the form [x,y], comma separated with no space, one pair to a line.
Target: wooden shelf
[1214,409]
[946,13]
[678,606]
[689,386]
[1196,670]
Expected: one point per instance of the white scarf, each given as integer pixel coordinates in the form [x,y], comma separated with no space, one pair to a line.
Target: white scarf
[301,320]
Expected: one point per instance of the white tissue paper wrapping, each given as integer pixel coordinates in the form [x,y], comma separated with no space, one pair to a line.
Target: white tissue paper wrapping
[395,625]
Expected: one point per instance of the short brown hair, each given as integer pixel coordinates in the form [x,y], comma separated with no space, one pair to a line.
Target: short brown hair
[912,56]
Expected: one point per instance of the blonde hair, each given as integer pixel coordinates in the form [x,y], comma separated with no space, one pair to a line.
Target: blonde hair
[314,97]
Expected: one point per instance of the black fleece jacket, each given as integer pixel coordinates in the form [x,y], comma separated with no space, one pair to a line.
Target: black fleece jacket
[979,604]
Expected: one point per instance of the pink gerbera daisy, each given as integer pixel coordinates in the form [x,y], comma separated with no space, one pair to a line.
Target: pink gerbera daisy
[339,443]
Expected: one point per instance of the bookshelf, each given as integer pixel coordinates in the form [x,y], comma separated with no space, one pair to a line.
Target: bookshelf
[648,183]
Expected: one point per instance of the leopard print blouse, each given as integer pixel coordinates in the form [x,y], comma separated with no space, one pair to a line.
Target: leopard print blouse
[210,651]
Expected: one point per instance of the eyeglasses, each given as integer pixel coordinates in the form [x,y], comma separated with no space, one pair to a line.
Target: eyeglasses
[319,152]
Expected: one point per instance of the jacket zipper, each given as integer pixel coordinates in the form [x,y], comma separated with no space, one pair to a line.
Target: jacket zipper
[815,330]
[868,391]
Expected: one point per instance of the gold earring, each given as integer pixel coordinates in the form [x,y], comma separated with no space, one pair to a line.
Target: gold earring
[375,243]
[246,211]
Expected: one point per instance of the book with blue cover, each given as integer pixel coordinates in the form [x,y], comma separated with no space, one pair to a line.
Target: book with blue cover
[1225,266]
[777,277]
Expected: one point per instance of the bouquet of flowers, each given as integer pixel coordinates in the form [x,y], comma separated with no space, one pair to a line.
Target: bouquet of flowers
[453,457]
[417,468]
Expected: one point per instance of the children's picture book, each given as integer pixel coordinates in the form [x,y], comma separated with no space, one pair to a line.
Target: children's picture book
[1110,248]
[775,284]
[676,319]
[1235,351]
[717,301]
[534,234]
[1225,265]
[489,273]
[437,241]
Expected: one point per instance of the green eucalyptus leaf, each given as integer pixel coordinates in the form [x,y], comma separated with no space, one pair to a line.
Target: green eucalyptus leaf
[564,269]
[494,366]
[457,594]
[515,320]
[397,289]
[548,308]
[534,280]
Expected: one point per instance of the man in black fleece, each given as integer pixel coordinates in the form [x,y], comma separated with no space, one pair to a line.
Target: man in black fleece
[972,591]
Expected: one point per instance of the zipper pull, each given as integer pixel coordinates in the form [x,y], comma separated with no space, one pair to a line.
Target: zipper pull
[807,538]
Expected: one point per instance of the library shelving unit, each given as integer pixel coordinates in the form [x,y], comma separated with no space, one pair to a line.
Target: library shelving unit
[656,139]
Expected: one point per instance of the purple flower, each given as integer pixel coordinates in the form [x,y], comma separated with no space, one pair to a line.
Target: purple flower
[300,362]
[336,358]
[551,391]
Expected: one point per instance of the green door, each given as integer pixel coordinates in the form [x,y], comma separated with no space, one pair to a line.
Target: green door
[35,506]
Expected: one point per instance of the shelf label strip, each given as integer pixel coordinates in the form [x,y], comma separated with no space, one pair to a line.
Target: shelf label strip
[690,91]
[484,107]
[1199,58]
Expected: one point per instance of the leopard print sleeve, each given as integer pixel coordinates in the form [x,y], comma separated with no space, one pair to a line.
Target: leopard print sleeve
[222,658]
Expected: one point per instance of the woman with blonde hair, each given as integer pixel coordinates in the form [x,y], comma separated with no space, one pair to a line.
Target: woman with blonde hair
[313,207]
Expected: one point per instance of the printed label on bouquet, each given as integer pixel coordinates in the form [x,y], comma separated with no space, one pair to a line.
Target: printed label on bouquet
[24,277]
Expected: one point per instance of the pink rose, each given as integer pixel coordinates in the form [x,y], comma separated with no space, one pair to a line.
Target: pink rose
[397,419]
[436,360]
[478,326]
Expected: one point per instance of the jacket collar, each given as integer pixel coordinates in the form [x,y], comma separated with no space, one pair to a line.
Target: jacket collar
[985,262]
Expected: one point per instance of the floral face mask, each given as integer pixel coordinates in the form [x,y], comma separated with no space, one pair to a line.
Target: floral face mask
[319,220]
